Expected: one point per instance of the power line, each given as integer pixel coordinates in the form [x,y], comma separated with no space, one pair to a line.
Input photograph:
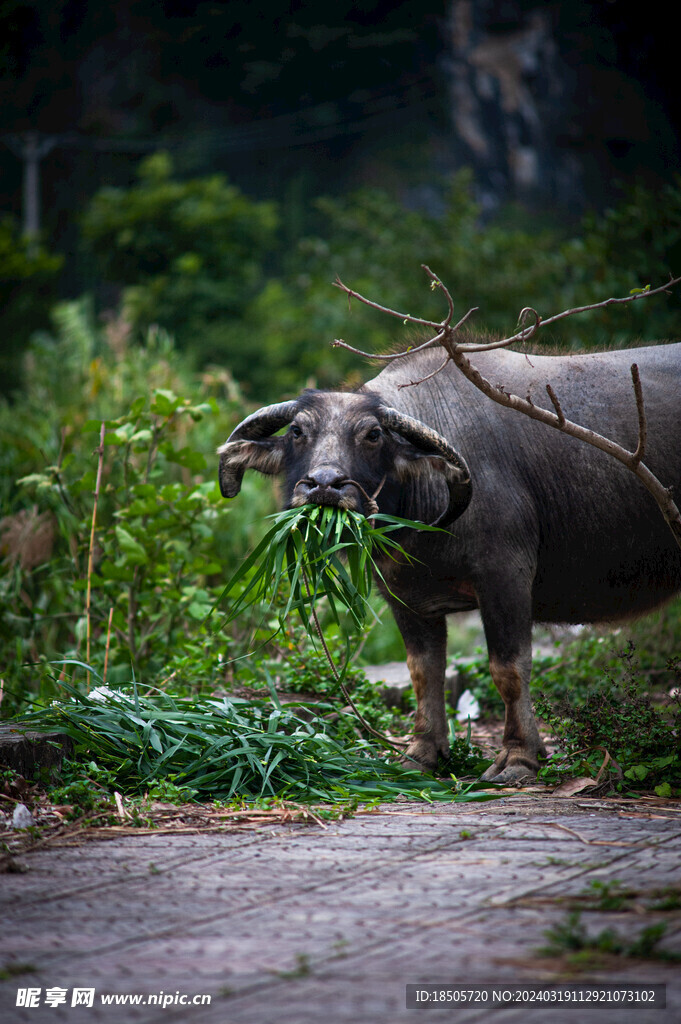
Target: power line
[299,129]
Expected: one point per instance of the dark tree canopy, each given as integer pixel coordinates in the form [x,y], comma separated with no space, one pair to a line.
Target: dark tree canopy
[286,93]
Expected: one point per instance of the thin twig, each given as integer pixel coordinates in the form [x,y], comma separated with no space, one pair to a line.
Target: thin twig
[108,641]
[462,321]
[640,409]
[435,282]
[405,317]
[344,690]
[90,560]
[556,405]
[386,356]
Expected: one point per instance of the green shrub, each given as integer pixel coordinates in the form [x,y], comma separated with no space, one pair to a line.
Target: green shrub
[27,290]
[617,716]
[163,538]
[188,254]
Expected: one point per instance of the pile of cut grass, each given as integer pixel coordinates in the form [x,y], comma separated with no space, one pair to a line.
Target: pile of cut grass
[228,748]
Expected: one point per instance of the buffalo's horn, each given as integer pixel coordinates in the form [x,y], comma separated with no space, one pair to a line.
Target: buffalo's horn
[422,436]
[428,440]
[257,426]
[264,422]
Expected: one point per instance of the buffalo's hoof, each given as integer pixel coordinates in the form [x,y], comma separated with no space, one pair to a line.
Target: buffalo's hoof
[422,756]
[514,775]
[508,771]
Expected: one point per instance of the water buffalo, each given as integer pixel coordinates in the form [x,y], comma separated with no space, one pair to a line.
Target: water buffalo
[543,529]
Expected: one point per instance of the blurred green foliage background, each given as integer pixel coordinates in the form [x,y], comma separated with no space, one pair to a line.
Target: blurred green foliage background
[204,307]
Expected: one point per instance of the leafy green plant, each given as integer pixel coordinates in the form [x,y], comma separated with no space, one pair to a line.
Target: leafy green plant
[169,791]
[138,588]
[612,895]
[84,787]
[619,718]
[608,895]
[155,533]
[570,937]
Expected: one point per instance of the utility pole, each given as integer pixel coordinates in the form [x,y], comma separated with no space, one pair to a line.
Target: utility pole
[31,147]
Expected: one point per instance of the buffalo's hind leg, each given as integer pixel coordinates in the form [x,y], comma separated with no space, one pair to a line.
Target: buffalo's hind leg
[426,644]
[508,630]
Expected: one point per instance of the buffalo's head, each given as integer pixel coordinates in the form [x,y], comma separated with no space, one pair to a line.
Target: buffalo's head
[347,449]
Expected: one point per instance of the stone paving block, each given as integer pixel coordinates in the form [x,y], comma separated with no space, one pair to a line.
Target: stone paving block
[328,924]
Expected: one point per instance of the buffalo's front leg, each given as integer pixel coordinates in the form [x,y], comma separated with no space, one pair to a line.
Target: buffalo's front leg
[426,644]
[508,630]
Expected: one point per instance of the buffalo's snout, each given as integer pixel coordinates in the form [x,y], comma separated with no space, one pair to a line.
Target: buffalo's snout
[326,485]
[326,476]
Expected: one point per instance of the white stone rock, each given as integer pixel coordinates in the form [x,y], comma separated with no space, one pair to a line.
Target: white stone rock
[467,707]
[22,817]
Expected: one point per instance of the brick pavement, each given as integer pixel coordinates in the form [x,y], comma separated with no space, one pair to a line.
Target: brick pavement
[298,924]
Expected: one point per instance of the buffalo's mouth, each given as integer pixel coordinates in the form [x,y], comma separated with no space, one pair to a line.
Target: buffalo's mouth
[345,495]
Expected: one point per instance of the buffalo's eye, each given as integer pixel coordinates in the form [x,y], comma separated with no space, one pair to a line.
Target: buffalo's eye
[374,435]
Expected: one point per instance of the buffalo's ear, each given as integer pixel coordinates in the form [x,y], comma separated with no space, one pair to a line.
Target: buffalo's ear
[427,459]
[426,471]
[252,446]
[265,456]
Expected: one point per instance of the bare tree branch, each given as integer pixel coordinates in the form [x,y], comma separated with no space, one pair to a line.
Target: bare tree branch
[457,353]
[522,335]
[339,343]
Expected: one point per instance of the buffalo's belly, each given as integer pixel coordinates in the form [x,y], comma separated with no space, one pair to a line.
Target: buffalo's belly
[428,595]
[607,590]
[435,602]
